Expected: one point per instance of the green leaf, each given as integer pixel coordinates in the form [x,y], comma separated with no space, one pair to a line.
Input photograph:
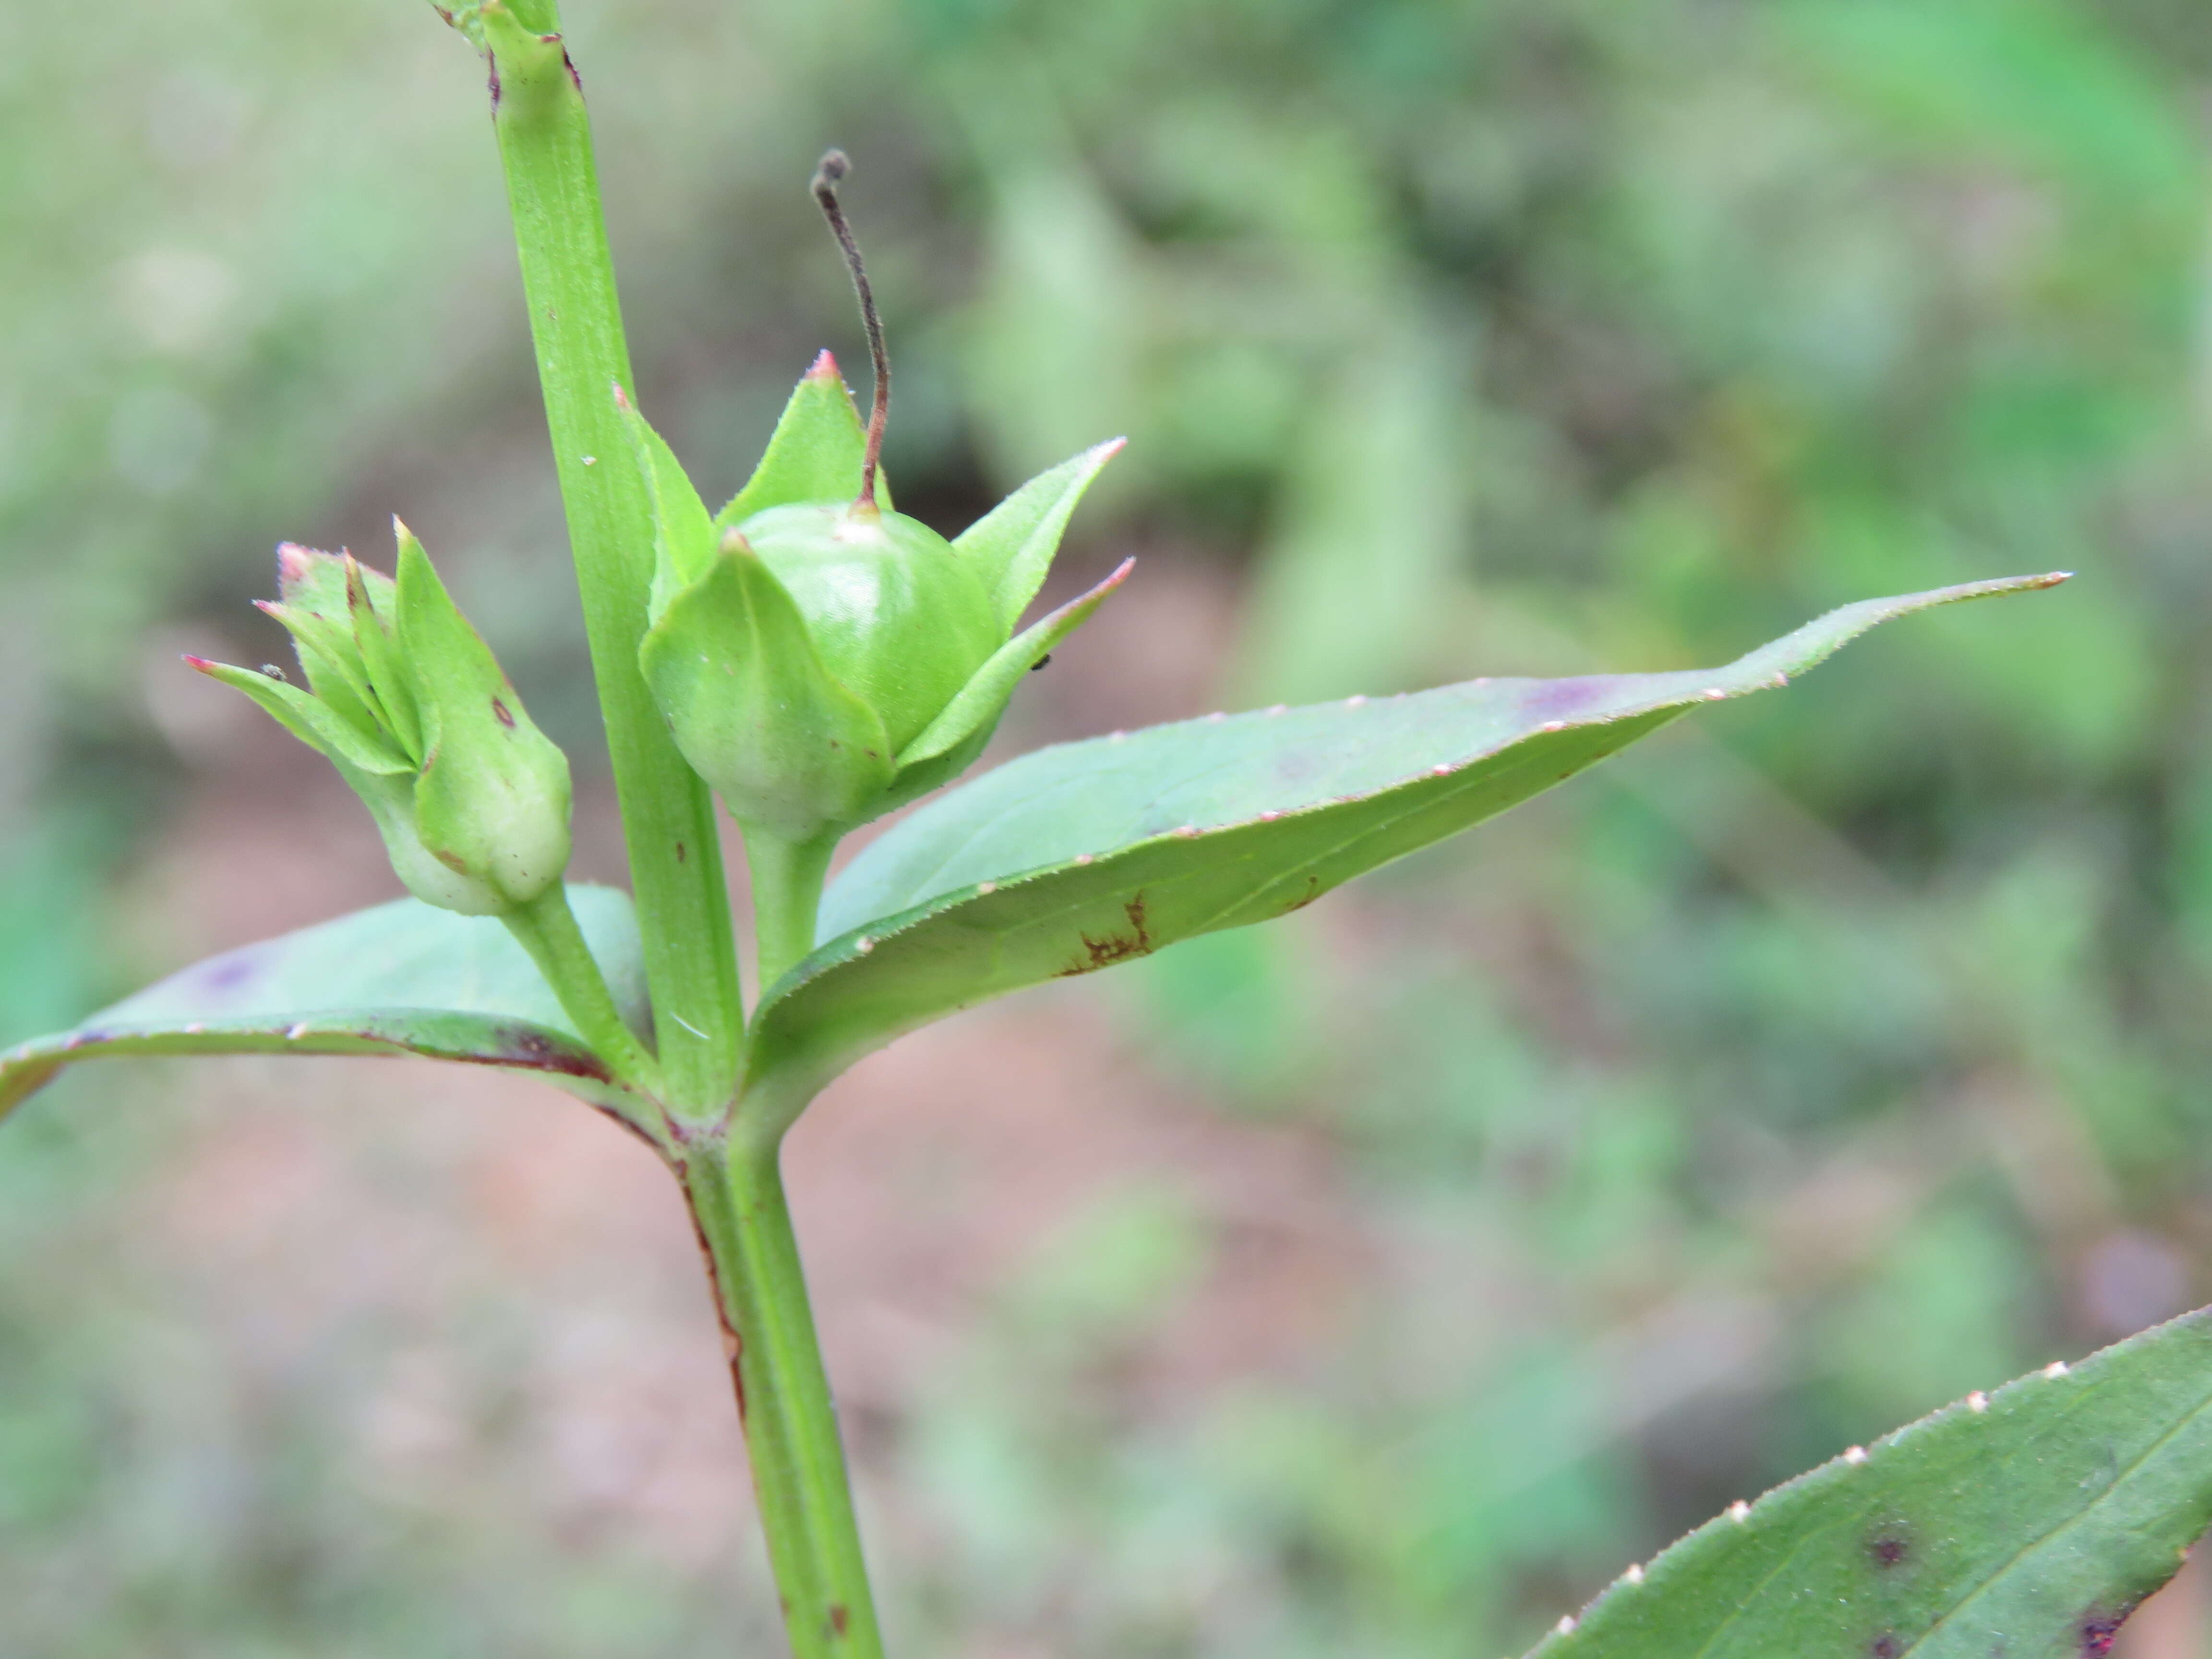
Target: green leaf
[1012,544]
[1088,853]
[2029,1524]
[402,978]
[813,455]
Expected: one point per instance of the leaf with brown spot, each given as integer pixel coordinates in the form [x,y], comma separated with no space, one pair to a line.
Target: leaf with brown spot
[2031,1527]
[1031,872]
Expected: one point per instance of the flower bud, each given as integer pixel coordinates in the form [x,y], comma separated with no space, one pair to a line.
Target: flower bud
[408,703]
[822,659]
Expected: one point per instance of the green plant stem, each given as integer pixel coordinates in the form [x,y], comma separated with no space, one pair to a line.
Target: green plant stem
[736,1189]
[668,815]
[788,878]
[690,960]
[546,927]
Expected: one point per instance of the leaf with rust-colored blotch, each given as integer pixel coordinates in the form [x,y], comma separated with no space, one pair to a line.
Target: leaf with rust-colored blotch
[1086,854]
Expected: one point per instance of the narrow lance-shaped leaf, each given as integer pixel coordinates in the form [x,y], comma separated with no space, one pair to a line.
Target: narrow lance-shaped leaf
[402,978]
[2027,1523]
[1088,853]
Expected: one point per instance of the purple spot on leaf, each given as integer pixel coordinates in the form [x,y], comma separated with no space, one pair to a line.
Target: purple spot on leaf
[227,973]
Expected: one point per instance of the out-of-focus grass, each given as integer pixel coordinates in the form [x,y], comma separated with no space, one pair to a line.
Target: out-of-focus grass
[1774,1085]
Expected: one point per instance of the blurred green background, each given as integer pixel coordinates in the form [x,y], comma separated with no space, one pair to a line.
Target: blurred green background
[1377,1285]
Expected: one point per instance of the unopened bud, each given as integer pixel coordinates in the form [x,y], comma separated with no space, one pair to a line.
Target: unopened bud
[407,702]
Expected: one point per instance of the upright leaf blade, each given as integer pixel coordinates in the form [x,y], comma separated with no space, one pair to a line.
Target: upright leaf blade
[1086,854]
[2028,1523]
[402,978]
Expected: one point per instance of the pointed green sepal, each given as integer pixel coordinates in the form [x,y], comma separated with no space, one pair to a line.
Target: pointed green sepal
[955,737]
[309,719]
[682,534]
[331,667]
[1012,545]
[372,602]
[755,712]
[313,609]
[813,455]
[492,802]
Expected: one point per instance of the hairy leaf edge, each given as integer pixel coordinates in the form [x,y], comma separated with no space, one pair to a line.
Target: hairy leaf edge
[1568,1640]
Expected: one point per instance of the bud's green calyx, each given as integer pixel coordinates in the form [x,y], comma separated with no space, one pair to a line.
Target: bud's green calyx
[822,660]
[408,703]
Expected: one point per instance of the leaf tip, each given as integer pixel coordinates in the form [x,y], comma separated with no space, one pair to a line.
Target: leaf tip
[824,367]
